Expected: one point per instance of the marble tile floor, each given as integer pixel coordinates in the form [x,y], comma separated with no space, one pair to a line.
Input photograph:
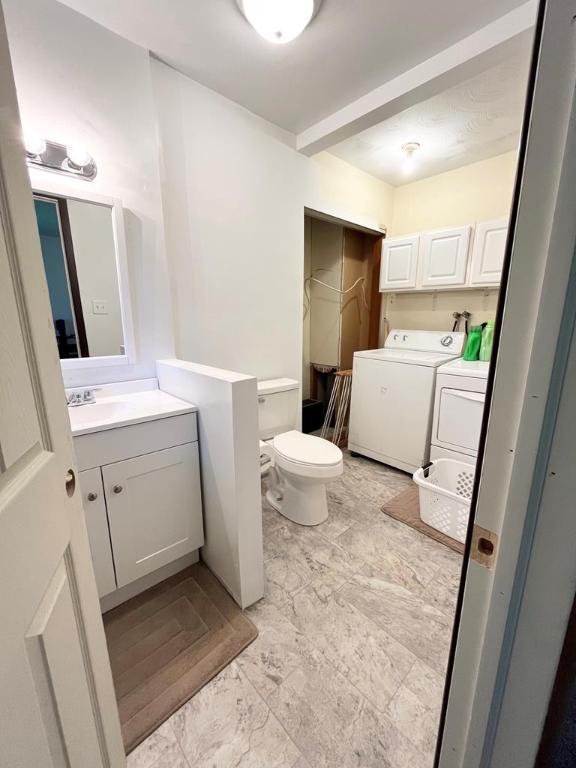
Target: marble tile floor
[348,668]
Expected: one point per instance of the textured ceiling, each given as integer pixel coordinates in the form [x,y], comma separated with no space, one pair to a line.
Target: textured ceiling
[479,118]
[350,48]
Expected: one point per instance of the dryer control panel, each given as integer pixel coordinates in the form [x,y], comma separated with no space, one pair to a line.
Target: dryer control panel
[427,341]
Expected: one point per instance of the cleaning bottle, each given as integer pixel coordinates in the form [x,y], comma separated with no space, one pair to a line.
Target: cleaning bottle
[473,344]
[487,341]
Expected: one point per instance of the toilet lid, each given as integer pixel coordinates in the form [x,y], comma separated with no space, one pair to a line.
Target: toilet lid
[307,449]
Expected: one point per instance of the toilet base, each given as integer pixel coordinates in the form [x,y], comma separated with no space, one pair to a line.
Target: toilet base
[300,499]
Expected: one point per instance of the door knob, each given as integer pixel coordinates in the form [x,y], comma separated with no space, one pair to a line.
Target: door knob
[117,489]
[70,482]
[92,496]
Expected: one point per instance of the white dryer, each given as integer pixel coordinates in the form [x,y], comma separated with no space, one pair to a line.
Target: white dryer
[393,396]
[458,410]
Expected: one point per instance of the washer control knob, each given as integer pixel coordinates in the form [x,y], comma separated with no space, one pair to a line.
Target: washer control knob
[447,341]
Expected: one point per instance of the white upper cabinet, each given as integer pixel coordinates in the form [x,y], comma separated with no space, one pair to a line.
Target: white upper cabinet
[444,256]
[399,267]
[488,252]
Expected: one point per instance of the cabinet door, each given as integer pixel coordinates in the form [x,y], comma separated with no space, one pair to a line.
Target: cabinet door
[399,263]
[445,257]
[488,252]
[98,532]
[155,510]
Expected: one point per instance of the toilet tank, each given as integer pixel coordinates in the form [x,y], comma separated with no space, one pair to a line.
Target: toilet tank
[278,406]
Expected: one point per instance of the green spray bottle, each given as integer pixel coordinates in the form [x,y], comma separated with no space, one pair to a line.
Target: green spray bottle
[472,350]
[487,341]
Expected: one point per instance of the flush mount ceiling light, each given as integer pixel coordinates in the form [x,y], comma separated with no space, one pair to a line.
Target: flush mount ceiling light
[279,21]
[410,149]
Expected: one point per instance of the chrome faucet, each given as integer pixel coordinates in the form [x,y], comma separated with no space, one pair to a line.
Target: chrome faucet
[81,397]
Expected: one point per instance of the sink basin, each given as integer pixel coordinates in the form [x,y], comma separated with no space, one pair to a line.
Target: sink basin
[99,410]
[83,416]
[120,410]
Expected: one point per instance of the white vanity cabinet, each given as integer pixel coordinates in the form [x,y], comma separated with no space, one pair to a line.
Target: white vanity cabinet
[399,266]
[444,256]
[488,252]
[142,497]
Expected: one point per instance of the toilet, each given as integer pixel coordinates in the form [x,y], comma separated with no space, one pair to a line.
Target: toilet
[298,466]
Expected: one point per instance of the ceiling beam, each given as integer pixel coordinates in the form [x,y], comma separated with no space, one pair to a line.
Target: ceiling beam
[468,57]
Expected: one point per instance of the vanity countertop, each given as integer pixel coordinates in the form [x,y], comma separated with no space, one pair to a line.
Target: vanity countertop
[124,409]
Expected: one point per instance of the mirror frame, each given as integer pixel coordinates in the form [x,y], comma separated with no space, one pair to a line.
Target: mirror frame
[71,192]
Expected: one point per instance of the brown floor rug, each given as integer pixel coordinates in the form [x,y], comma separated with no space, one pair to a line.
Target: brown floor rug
[406,508]
[168,642]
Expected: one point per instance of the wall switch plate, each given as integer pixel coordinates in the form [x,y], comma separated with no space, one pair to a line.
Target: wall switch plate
[99,307]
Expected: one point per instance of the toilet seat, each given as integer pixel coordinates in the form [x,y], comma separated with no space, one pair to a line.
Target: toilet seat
[307,455]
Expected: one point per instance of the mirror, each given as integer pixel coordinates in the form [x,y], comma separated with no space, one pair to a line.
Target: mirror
[78,243]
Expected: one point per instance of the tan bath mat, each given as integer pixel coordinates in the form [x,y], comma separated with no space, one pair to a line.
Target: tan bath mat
[168,642]
[406,508]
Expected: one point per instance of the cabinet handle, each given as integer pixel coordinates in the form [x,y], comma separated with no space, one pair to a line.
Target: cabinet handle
[117,489]
[92,496]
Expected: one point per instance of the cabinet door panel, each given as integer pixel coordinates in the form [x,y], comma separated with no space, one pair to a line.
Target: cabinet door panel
[399,263]
[445,257]
[488,252]
[155,510]
[98,533]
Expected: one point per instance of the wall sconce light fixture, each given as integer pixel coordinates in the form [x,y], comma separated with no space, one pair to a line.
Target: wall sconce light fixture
[59,158]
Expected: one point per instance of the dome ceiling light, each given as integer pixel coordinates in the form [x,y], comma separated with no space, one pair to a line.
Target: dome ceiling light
[410,149]
[279,21]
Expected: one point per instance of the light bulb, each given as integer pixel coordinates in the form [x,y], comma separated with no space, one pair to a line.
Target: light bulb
[410,150]
[78,156]
[34,145]
[279,21]
[409,164]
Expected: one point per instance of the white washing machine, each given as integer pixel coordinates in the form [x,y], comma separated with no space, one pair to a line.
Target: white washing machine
[458,410]
[393,396]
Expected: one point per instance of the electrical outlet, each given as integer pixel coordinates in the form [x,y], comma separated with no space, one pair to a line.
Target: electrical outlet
[99,307]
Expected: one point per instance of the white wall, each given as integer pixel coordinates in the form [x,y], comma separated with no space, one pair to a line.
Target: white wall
[341,190]
[234,191]
[95,258]
[79,83]
[474,192]
[229,459]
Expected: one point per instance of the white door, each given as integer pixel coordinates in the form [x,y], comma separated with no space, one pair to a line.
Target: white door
[399,265]
[516,603]
[444,256]
[488,252]
[98,532]
[57,700]
[155,510]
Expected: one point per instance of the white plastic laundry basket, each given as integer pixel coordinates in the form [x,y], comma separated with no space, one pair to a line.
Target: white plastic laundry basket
[445,488]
